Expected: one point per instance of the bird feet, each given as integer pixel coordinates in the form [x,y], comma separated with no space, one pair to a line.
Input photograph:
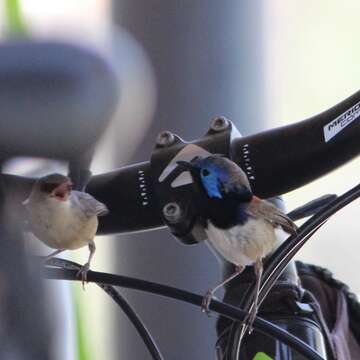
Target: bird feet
[83,273]
[206,302]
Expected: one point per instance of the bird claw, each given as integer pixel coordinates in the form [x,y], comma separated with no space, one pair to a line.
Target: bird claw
[206,302]
[83,273]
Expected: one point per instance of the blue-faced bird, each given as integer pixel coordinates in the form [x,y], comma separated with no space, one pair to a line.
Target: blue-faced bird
[240,227]
[62,218]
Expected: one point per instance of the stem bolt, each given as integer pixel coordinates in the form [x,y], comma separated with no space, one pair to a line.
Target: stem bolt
[219,124]
[172,212]
[165,138]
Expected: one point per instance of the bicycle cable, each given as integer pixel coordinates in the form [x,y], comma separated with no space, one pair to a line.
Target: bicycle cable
[221,308]
[285,253]
[122,303]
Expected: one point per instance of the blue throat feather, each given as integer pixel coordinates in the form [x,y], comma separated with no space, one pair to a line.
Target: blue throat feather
[212,178]
[212,187]
[224,208]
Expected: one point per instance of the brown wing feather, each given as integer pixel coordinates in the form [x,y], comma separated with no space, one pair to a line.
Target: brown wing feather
[269,212]
[89,205]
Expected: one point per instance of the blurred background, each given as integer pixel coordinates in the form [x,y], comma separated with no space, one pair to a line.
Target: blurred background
[262,64]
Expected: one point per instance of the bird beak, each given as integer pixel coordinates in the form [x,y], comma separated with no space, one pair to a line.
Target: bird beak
[185,165]
[62,191]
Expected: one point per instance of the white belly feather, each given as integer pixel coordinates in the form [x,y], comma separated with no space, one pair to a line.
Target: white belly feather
[61,225]
[244,244]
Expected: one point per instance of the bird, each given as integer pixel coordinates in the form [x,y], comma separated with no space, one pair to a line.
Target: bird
[240,227]
[62,218]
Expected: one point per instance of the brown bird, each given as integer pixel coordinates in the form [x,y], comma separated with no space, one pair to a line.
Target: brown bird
[62,218]
[241,228]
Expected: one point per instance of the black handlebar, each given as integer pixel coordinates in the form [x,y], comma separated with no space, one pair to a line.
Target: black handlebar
[289,157]
[276,161]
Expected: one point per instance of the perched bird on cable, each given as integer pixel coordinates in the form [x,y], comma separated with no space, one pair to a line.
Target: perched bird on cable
[241,228]
[62,218]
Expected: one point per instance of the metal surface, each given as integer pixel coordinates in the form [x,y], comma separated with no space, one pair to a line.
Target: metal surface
[165,138]
[172,212]
[219,124]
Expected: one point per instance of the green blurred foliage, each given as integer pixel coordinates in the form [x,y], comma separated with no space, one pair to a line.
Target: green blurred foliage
[262,356]
[16,26]
[82,344]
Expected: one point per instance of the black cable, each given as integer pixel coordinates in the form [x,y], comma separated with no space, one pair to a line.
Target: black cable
[122,302]
[282,256]
[311,208]
[229,311]
[285,253]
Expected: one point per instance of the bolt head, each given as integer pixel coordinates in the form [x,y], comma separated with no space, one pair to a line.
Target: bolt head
[165,138]
[219,124]
[172,212]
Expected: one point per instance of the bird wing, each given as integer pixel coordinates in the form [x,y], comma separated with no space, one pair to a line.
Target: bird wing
[264,209]
[89,205]
[234,190]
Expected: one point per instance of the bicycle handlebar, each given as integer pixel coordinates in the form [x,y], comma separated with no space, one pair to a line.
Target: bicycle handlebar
[302,152]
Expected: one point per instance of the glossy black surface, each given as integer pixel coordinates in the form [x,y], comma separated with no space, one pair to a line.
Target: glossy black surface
[281,160]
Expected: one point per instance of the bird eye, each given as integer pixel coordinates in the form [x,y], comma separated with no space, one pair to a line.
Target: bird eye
[205,172]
